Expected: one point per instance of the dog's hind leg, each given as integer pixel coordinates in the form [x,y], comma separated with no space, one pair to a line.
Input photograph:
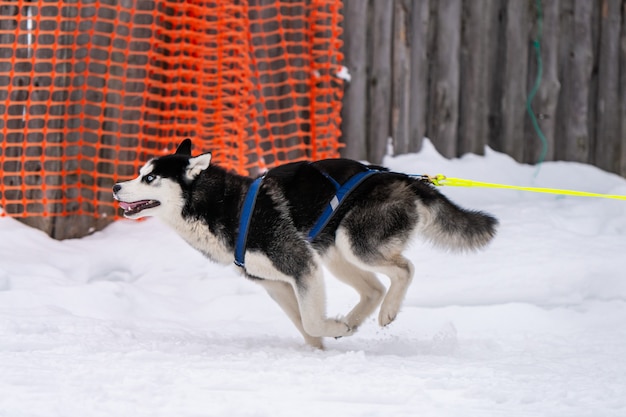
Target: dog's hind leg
[385,259]
[370,289]
[400,273]
[284,295]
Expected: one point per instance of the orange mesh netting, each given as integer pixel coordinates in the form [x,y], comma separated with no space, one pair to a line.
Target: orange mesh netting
[89,90]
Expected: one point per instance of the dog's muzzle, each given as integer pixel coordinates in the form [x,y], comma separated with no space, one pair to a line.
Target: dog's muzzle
[132,208]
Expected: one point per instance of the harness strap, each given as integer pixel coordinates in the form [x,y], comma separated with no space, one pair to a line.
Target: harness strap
[244,221]
[248,206]
[335,202]
[328,177]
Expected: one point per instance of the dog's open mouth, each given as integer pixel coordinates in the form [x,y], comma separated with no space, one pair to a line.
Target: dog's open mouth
[137,206]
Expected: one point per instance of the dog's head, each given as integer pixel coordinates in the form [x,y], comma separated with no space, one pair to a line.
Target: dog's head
[158,190]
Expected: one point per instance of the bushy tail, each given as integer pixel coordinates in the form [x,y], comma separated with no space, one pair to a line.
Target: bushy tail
[449,226]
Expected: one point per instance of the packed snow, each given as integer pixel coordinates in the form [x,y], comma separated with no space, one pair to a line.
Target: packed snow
[132,322]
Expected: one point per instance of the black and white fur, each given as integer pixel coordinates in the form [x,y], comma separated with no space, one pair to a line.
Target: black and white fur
[366,236]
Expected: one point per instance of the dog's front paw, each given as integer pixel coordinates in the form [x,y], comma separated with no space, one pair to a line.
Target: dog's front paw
[328,328]
[344,329]
[386,317]
[315,342]
[347,329]
[337,328]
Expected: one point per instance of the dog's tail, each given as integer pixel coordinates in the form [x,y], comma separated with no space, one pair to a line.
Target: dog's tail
[449,226]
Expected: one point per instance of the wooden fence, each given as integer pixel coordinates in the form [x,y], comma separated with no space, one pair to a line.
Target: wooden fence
[461,71]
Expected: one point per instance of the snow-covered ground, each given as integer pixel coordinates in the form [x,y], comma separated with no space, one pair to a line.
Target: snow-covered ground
[131,322]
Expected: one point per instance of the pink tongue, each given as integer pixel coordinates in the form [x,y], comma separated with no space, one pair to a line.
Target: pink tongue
[129,206]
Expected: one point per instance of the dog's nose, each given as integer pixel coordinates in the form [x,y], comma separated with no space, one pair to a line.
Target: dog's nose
[116,188]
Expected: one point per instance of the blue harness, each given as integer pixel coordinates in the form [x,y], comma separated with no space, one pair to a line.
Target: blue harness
[248,206]
[244,221]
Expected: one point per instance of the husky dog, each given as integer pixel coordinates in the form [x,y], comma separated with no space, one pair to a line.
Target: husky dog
[365,235]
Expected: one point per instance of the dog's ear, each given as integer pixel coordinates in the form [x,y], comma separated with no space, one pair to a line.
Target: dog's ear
[184,148]
[197,165]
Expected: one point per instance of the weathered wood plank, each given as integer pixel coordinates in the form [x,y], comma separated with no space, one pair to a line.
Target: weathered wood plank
[380,80]
[418,86]
[608,136]
[495,58]
[593,81]
[354,111]
[474,89]
[515,76]
[401,61]
[546,100]
[566,23]
[576,79]
[622,89]
[445,78]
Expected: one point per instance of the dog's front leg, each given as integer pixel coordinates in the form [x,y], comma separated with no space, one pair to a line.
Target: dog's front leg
[285,297]
[311,296]
[307,281]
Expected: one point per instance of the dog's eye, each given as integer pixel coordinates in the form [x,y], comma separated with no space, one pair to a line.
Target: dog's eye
[149,178]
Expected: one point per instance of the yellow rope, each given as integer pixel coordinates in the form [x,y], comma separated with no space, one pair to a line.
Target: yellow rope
[441,180]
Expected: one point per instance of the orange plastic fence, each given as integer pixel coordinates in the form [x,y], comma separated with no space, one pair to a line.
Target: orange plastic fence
[89,90]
